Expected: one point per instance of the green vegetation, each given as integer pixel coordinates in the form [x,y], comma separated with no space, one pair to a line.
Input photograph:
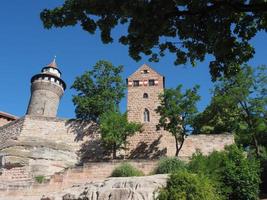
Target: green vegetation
[188,29]
[98,91]
[39,179]
[229,174]
[239,106]
[114,129]
[126,170]
[236,176]
[184,185]
[177,110]
[169,165]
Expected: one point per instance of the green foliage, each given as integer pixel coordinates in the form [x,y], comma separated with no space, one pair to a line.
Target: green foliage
[115,128]
[235,175]
[169,165]
[188,29]
[238,106]
[263,186]
[98,91]
[126,170]
[177,110]
[39,179]
[187,186]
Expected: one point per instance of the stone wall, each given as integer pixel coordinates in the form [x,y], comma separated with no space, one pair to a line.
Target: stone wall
[9,132]
[3,121]
[49,145]
[45,144]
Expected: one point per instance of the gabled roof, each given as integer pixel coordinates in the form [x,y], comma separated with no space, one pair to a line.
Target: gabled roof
[8,116]
[144,67]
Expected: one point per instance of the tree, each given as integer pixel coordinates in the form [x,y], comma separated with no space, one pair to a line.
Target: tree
[235,175]
[115,129]
[239,106]
[189,29]
[177,111]
[98,91]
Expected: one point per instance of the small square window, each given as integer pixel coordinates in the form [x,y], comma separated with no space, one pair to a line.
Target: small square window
[145,71]
[135,83]
[151,82]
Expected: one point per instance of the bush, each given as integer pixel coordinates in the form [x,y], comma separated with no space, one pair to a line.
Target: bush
[169,165]
[126,170]
[183,185]
[236,176]
[264,178]
[39,179]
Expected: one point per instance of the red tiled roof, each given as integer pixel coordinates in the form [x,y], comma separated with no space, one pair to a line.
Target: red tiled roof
[7,115]
[53,64]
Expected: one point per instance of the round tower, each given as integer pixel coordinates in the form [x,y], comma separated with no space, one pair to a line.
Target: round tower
[47,89]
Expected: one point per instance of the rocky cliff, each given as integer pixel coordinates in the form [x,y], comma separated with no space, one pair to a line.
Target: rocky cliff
[123,188]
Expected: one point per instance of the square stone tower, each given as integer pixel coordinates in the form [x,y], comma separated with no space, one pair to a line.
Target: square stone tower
[144,87]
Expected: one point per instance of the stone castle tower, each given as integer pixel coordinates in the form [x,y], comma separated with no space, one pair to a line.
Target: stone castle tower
[47,89]
[144,87]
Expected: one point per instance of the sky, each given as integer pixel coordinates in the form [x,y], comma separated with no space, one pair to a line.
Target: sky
[26,47]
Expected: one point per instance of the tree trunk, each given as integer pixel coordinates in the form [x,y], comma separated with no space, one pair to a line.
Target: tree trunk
[256,145]
[178,147]
[114,150]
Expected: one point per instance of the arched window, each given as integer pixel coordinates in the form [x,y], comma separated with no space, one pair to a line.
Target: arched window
[145,95]
[146,115]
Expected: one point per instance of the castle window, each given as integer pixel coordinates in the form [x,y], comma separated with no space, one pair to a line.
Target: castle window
[146,115]
[151,82]
[145,96]
[135,83]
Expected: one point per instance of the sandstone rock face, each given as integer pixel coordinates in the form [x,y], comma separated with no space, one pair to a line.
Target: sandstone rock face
[46,145]
[124,188]
[128,188]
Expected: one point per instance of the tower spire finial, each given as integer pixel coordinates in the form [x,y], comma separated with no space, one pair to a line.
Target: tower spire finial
[53,63]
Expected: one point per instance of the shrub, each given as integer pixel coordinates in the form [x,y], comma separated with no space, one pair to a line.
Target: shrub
[235,175]
[169,165]
[39,179]
[126,170]
[264,178]
[183,185]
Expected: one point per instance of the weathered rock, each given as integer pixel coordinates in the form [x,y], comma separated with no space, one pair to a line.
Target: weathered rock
[124,188]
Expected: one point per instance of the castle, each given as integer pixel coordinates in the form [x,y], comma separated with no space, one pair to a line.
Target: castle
[44,144]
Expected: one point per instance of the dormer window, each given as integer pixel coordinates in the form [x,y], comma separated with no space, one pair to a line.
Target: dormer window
[135,83]
[151,82]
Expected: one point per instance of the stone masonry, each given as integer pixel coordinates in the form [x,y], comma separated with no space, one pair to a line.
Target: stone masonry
[47,89]
[42,144]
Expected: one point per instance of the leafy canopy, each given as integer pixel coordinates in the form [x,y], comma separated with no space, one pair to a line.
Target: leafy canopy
[188,29]
[98,91]
[177,110]
[115,128]
[239,105]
